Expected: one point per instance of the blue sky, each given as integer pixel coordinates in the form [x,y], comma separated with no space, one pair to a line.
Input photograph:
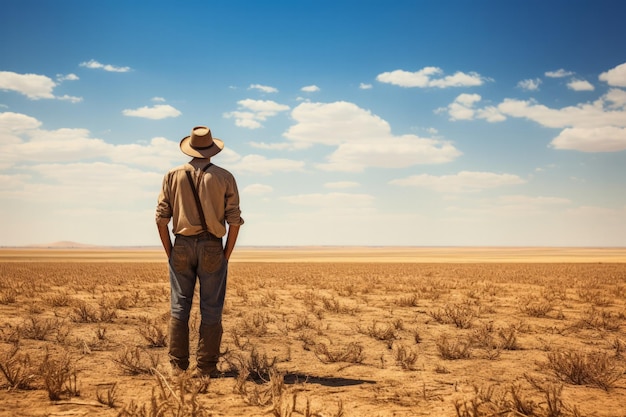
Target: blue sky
[422,123]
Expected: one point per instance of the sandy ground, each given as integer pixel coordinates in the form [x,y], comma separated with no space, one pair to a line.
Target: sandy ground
[335,254]
[324,332]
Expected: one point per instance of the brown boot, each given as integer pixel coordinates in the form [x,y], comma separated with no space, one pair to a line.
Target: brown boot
[179,344]
[209,349]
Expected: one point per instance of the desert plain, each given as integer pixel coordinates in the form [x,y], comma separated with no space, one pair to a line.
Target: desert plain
[321,332]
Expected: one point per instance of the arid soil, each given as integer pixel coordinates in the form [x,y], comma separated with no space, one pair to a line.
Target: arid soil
[322,332]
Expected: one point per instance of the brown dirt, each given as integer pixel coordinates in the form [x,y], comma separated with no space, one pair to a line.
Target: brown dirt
[362,330]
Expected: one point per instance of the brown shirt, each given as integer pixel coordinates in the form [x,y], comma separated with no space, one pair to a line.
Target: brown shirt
[218,193]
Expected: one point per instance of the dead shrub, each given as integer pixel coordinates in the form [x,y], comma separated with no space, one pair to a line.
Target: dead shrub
[181,400]
[351,353]
[83,313]
[534,306]
[136,361]
[453,349]
[153,334]
[579,367]
[8,296]
[107,394]
[410,300]
[405,357]
[38,328]
[59,376]
[59,300]
[600,319]
[383,332]
[16,368]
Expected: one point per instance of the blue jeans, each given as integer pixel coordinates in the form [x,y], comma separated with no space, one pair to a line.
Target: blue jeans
[202,259]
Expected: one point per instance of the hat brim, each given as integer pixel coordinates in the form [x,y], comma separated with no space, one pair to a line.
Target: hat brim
[214,149]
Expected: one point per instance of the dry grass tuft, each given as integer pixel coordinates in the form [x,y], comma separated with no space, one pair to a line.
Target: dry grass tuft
[579,367]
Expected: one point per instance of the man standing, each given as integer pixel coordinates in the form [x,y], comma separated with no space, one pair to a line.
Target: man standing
[200,198]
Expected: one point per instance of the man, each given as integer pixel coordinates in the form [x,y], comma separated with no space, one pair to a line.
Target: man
[200,198]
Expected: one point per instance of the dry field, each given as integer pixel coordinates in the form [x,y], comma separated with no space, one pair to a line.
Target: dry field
[322,332]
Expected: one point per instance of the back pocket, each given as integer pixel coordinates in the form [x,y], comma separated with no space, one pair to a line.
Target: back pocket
[212,258]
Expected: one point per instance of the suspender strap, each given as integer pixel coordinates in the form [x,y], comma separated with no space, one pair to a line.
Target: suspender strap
[197,197]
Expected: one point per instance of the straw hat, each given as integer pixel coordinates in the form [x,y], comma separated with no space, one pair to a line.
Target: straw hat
[201,144]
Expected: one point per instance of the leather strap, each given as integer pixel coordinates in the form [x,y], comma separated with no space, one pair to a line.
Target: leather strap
[197,198]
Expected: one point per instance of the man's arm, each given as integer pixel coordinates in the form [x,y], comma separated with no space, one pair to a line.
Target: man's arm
[164,234]
[231,239]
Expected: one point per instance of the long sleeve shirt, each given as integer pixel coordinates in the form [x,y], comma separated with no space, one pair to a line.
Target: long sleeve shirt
[218,193]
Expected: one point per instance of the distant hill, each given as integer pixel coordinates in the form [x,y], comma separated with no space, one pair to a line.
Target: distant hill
[62,245]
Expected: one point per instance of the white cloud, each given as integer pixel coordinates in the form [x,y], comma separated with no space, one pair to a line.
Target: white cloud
[33,86]
[93,64]
[253,112]
[560,73]
[258,164]
[158,99]
[263,88]
[331,200]
[529,85]
[615,77]
[310,89]
[615,98]
[364,86]
[341,184]
[362,139]
[599,139]
[71,99]
[462,108]
[17,123]
[68,77]
[23,141]
[156,112]
[580,85]
[464,181]
[257,189]
[279,146]
[588,115]
[430,77]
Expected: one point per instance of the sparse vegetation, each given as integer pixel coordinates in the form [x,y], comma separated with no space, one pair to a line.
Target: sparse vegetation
[321,339]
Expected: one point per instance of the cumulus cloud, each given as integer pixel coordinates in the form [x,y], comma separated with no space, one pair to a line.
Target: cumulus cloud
[599,126]
[560,73]
[33,86]
[93,64]
[252,112]
[156,112]
[430,77]
[599,139]
[361,139]
[23,141]
[334,200]
[529,85]
[257,189]
[71,99]
[580,85]
[68,77]
[588,115]
[310,89]
[364,86]
[463,108]
[263,88]
[258,164]
[615,77]
[464,181]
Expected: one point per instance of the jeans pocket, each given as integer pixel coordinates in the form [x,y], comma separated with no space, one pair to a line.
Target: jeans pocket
[180,258]
[212,258]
